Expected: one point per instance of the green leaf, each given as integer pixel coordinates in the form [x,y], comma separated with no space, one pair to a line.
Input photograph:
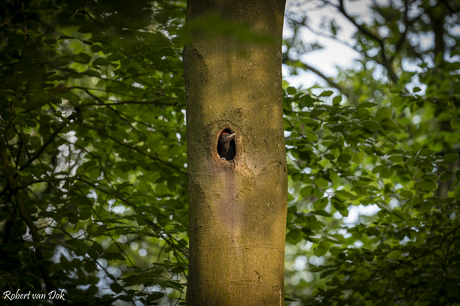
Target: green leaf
[90,266]
[430,177]
[113,256]
[378,169]
[322,248]
[384,113]
[386,173]
[336,101]
[444,116]
[406,194]
[399,214]
[371,125]
[322,213]
[116,287]
[383,205]
[397,101]
[455,123]
[87,28]
[456,89]
[114,57]
[155,296]
[367,104]
[316,112]
[389,124]
[306,191]
[396,158]
[450,159]
[426,152]
[457,192]
[320,204]
[394,254]
[49,41]
[288,299]
[306,101]
[312,137]
[344,158]
[291,90]
[294,236]
[427,185]
[326,93]
[100,62]
[318,193]
[415,147]
[321,182]
[445,176]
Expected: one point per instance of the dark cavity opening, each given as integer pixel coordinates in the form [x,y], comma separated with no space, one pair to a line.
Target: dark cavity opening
[226,144]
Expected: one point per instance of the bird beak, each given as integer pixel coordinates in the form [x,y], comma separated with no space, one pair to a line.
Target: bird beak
[231,136]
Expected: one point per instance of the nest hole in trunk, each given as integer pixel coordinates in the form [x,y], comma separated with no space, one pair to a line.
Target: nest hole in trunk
[226,147]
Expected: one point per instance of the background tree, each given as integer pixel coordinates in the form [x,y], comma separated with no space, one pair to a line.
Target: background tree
[92,188]
[402,157]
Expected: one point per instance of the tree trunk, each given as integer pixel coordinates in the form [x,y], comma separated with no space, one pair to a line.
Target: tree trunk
[237,206]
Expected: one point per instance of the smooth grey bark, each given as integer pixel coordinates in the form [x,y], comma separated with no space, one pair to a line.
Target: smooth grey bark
[237,207]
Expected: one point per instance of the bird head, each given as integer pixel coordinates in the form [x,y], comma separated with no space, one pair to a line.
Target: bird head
[226,137]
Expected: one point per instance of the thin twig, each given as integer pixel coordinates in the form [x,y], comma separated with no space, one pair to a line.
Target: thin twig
[11,17]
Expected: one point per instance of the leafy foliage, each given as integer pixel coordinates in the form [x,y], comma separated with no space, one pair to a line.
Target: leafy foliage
[392,144]
[93,150]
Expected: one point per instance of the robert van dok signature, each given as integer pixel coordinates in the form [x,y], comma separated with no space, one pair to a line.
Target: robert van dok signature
[18,295]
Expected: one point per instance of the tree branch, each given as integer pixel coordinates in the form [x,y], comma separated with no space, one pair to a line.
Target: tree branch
[329,80]
[1,25]
[102,103]
[108,231]
[385,62]
[403,37]
[47,142]
[130,147]
[39,152]
[154,226]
